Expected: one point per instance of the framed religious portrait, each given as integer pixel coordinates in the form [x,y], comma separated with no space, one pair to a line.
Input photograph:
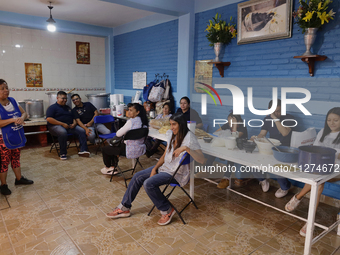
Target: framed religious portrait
[264,20]
[83,52]
[33,75]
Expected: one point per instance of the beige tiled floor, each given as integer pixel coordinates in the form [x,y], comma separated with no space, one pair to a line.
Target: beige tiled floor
[64,213]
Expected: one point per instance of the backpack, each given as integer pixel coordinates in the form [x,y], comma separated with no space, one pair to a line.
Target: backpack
[147,88]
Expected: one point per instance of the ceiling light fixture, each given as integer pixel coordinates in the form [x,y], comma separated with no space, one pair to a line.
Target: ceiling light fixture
[51,27]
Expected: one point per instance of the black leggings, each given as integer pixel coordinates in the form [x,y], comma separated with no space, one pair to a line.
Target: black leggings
[110,154]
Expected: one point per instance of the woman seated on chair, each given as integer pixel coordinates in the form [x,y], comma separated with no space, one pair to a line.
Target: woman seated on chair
[165,115]
[180,140]
[131,148]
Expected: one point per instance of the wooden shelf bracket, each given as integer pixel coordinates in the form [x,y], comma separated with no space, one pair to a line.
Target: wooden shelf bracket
[310,60]
[220,66]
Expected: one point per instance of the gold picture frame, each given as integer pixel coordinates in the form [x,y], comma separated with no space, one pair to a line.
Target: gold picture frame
[83,53]
[33,75]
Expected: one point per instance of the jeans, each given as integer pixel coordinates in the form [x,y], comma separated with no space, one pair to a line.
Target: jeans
[62,134]
[151,186]
[227,174]
[101,130]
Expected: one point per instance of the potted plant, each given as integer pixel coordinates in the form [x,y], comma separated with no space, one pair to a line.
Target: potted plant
[310,16]
[219,33]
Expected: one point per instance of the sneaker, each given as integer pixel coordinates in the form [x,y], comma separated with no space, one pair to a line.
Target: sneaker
[224,183]
[23,181]
[108,171]
[265,185]
[84,154]
[166,218]
[63,157]
[303,230]
[292,204]
[5,190]
[118,213]
[281,193]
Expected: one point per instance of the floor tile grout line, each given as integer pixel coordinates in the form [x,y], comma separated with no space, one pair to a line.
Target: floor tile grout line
[73,241]
[7,232]
[266,243]
[104,212]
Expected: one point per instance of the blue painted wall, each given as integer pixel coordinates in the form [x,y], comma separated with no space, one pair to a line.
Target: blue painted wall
[152,50]
[270,64]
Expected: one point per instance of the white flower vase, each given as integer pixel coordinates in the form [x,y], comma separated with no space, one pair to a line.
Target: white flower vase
[217,50]
[310,36]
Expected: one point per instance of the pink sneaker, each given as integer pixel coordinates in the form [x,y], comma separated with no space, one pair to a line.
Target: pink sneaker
[166,218]
[118,213]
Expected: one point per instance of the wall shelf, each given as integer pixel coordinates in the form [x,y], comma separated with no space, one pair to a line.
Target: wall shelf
[310,60]
[220,66]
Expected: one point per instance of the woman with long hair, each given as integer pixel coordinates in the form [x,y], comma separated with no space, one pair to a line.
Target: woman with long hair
[131,148]
[180,140]
[329,136]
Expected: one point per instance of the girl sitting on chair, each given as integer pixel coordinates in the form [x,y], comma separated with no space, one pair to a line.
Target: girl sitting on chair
[131,148]
[180,140]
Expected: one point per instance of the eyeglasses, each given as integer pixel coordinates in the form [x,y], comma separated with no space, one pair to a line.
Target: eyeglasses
[63,98]
[76,99]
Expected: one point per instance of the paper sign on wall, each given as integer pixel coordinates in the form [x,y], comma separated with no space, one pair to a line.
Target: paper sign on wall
[139,80]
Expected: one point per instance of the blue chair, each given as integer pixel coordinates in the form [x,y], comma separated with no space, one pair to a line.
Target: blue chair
[205,127]
[102,119]
[186,159]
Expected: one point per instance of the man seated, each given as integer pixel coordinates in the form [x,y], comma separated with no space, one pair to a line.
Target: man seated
[273,125]
[60,123]
[84,114]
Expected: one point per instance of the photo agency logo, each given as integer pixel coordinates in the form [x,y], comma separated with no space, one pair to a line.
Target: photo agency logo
[239,99]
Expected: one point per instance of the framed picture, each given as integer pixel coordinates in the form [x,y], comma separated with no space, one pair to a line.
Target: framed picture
[33,73]
[83,52]
[264,20]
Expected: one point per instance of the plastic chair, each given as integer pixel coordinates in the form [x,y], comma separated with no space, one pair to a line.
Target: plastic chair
[134,134]
[55,143]
[186,159]
[102,119]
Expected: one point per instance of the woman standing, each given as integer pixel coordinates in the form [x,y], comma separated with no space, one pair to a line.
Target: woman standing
[130,149]
[12,138]
[180,140]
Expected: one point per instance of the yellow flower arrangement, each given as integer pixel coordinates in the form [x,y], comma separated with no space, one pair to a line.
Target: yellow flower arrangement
[313,14]
[219,31]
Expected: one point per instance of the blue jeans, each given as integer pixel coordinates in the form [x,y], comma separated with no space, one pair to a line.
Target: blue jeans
[151,186]
[211,159]
[62,135]
[101,130]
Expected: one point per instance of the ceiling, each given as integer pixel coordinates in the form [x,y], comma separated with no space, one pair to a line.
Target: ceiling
[94,12]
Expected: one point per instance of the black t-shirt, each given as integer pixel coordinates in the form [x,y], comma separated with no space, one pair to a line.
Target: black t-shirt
[274,132]
[240,128]
[61,113]
[190,115]
[85,113]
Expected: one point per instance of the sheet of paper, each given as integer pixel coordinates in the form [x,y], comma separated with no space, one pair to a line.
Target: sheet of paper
[139,80]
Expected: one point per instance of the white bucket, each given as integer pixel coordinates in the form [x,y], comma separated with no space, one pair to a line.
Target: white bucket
[120,98]
[192,126]
[120,110]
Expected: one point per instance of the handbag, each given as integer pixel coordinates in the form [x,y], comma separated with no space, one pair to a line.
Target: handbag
[116,141]
[157,92]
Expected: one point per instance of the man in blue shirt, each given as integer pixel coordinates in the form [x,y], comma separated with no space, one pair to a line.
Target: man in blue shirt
[60,123]
[273,125]
[84,114]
